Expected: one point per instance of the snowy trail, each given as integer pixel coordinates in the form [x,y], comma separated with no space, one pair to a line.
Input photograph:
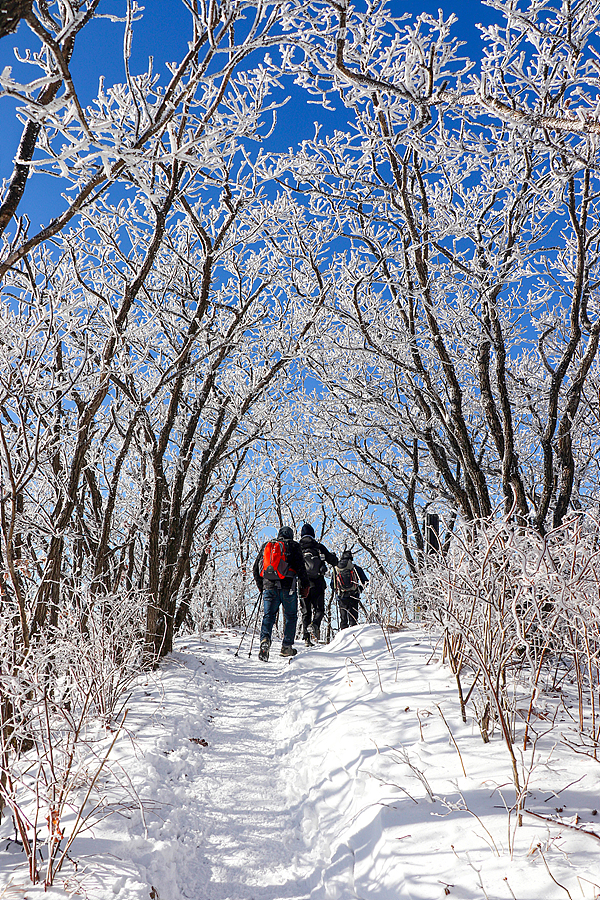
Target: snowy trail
[345,774]
[223,829]
[252,836]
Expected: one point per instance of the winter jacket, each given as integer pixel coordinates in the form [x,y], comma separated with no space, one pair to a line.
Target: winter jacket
[307,542]
[295,562]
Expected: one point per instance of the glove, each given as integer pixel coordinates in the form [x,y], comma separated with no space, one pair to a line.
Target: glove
[305,591]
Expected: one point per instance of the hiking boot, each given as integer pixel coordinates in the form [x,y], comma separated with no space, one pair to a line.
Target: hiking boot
[316,633]
[307,641]
[288,650]
[263,653]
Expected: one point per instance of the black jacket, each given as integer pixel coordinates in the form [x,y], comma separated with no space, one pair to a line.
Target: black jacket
[307,542]
[295,561]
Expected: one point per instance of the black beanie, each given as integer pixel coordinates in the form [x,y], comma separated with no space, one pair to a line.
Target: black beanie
[285,533]
[307,529]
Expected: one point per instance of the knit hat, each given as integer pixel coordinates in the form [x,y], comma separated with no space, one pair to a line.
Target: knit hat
[285,533]
[307,529]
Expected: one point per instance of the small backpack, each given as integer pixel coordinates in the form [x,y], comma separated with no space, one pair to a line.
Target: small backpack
[346,581]
[313,563]
[275,565]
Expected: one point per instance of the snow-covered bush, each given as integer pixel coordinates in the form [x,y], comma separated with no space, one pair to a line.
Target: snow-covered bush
[519,612]
[62,708]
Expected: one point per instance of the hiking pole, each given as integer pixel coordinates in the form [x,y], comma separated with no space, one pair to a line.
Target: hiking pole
[254,629]
[248,624]
[368,616]
[330,619]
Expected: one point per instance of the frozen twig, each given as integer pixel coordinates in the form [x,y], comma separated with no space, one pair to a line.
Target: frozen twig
[453,740]
[550,821]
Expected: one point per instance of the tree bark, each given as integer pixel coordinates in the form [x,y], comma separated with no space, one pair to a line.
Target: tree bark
[11,13]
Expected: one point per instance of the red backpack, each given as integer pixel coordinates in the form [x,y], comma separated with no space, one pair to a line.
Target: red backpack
[275,565]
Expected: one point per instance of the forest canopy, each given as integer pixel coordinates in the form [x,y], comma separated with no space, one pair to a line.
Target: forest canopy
[390,329]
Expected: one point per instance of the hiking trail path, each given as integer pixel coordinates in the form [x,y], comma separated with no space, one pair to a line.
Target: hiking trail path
[228,832]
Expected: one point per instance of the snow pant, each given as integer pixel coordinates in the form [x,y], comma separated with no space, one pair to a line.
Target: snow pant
[313,607]
[274,596]
[348,611]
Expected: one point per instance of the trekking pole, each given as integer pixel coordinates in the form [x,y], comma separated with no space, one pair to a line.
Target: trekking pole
[330,619]
[254,629]
[370,616]
[248,624]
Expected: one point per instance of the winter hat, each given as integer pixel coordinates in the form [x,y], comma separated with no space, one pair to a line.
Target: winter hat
[346,556]
[285,533]
[307,529]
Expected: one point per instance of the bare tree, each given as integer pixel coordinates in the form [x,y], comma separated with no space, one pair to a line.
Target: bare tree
[56,27]
[465,299]
[161,308]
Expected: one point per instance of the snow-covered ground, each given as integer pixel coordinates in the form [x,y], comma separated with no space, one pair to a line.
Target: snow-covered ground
[343,773]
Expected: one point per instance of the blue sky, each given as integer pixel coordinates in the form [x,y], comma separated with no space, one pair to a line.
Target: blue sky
[99,52]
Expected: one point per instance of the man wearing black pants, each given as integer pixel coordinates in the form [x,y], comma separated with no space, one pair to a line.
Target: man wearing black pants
[316,556]
[348,582]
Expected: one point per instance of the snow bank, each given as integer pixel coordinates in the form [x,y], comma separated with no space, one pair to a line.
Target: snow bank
[345,773]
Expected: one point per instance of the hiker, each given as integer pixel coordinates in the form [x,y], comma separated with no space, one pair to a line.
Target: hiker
[316,556]
[278,567]
[348,582]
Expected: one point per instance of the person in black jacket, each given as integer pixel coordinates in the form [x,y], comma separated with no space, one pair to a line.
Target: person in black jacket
[348,582]
[278,588]
[316,557]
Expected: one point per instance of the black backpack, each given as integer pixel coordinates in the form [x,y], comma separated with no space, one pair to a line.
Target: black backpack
[312,561]
[346,581]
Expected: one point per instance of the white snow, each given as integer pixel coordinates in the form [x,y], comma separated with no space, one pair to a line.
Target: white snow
[331,776]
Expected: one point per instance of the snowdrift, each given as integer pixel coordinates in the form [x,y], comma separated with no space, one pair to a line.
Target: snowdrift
[343,773]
